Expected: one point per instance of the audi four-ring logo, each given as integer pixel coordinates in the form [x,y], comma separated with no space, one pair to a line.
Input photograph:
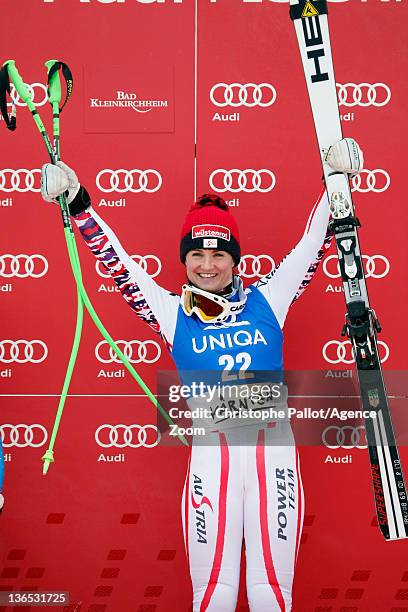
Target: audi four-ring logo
[21,180]
[122,436]
[247,180]
[239,94]
[149,263]
[363,94]
[335,351]
[377,180]
[23,351]
[252,266]
[37,92]
[376,266]
[22,435]
[122,180]
[346,437]
[136,351]
[23,266]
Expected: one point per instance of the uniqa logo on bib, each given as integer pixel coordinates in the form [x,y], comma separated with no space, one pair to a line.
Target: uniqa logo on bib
[242,337]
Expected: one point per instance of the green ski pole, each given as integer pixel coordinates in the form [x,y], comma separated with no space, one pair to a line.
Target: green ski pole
[54,97]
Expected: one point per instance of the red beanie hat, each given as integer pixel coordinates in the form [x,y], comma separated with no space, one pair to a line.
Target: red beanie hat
[210,225]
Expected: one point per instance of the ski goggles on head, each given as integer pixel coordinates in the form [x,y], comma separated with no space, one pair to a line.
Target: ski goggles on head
[209,306]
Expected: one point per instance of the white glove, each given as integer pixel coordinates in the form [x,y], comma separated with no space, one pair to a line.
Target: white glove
[56,180]
[1,501]
[345,156]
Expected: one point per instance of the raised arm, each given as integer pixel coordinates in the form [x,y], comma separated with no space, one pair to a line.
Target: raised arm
[293,274]
[153,304]
[291,277]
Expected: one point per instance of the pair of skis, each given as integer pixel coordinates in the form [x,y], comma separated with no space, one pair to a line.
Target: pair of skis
[361,324]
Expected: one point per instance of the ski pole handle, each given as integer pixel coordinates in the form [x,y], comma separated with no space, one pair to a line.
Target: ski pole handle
[54,98]
[54,87]
[17,81]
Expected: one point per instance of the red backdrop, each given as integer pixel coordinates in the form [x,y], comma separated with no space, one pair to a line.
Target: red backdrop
[110,533]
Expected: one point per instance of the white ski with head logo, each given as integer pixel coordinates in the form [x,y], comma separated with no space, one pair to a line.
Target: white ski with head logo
[310,20]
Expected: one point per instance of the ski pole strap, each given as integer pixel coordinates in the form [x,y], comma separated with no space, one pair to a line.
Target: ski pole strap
[67,74]
[308,8]
[4,90]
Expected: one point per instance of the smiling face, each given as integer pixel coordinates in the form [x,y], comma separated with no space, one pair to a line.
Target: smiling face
[209,269]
